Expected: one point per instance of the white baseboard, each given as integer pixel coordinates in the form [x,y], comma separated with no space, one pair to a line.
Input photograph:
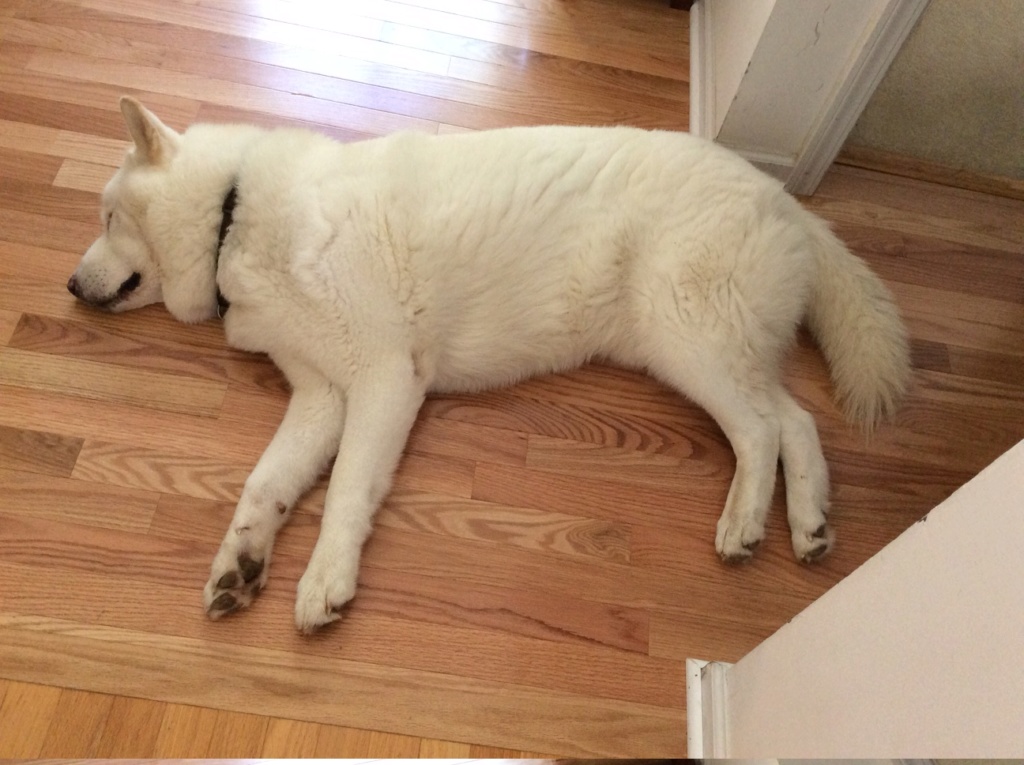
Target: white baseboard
[706,722]
[848,94]
[778,167]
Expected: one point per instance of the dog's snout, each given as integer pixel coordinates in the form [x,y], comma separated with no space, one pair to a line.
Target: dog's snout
[85,294]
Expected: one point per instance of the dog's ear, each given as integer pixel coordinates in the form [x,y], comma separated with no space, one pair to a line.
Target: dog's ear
[155,143]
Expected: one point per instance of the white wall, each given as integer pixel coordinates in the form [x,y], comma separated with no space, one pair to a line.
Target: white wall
[803,53]
[735,27]
[920,652]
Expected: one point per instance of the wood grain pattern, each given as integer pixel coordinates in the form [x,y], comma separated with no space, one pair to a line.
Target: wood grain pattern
[290,738]
[130,730]
[8,322]
[44,495]
[25,718]
[313,687]
[87,379]
[77,723]
[544,563]
[35,452]
[912,167]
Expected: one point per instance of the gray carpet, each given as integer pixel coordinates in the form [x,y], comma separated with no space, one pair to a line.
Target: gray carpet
[955,93]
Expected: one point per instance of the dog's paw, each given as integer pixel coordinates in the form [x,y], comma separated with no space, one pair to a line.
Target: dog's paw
[737,540]
[324,590]
[810,546]
[237,575]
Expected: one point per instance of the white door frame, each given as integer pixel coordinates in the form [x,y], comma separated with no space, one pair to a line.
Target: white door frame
[783,81]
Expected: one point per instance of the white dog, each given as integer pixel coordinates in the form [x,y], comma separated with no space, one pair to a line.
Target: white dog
[374,273]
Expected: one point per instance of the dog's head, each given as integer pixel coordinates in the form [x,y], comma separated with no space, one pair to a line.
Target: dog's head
[120,271]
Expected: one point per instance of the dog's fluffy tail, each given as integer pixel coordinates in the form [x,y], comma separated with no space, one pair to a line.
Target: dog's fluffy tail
[854,318]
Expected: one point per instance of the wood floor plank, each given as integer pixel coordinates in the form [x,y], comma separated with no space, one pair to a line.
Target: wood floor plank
[153,432]
[465,97]
[494,752]
[185,732]
[369,48]
[47,200]
[166,472]
[27,168]
[93,380]
[436,749]
[442,33]
[85,657]
[388,639]
[25,718]
[944,201]
[8,322]
[339,741]
[420,598]
[131,729]
[897,165]
[230,114]
[37,452]
[43,112]
[177,112]
[465,440]
[237,735]
[20,293]
[958,231]
[931,262]
[973,322]
[310,17]
[507,525]
[84,176]
[290,739]
[27,137]
[50,497]
[980,364]
[570,493]
[77,724]
[574,80]
[241,95]
[392,745]
[85,340]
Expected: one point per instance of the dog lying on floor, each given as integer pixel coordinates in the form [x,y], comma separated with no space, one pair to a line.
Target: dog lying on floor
[374,273]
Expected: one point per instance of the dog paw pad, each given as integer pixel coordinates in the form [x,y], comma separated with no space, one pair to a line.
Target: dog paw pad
[250,568]
[235,588]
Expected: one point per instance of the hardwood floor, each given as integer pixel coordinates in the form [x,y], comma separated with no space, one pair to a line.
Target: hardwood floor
[545,562]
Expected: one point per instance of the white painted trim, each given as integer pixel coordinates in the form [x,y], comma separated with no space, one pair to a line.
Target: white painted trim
[824,141]
[702,83]
[694,709]
[706,723]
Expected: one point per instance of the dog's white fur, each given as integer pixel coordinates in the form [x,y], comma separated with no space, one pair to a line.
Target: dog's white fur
[374,273]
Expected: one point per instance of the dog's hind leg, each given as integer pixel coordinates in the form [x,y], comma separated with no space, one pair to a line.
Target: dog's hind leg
[806,473]
[305,441]
[381,406]
[744,410]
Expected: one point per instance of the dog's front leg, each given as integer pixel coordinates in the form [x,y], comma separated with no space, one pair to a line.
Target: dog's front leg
[381,406]
[304,443]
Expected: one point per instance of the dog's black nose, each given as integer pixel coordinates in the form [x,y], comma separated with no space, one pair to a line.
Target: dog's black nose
[73,287]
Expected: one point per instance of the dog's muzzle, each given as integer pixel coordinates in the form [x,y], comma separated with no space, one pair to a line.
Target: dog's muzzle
[128,286]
